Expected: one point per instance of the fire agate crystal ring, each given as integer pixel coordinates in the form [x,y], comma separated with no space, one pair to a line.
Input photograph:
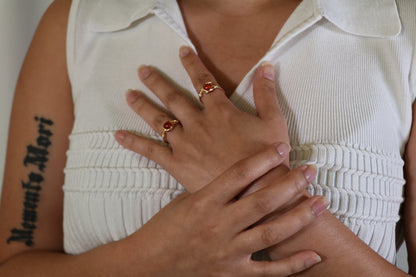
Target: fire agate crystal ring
[168,126]
[208,87]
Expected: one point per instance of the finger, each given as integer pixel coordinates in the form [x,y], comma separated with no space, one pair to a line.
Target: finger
[146,147]
[252,208]
[264,92]
[150,113]
[200,75]
[296,263]
[234,180]
[172,98]
[283,227]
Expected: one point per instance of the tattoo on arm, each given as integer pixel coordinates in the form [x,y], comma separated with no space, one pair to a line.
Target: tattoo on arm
[35,160]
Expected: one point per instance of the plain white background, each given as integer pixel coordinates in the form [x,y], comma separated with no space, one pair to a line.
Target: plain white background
[18,21]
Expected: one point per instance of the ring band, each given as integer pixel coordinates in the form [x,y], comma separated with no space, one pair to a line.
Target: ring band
[168,126]
[208,87]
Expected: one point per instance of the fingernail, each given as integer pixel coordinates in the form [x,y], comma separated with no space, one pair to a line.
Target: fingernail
[121,135]
[144,72]
[268,71]
[320,205]
[283,149]
[310,172]
[313,261]
[184,51]
[132,96]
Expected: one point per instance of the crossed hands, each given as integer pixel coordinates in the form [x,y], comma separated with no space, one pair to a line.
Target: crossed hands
[233,166]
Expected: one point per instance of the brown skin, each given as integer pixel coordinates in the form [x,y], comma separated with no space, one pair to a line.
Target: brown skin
[44,90]
[44,87]
[42,81]
[410,201]
[328,236]
[242,47]
[238,55]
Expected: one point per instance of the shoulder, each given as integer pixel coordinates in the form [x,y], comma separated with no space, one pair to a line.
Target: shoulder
[53,25]
[58,12]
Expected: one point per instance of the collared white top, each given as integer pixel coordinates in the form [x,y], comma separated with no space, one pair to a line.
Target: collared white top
[346,83]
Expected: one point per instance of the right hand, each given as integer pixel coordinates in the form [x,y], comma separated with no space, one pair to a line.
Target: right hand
[210,233]
[208,140]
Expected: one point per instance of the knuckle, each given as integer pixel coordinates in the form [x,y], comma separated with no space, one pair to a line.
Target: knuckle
[299,183]
[241,171]
[279,117]
[171,96]
[148,150]
[240,168]
[302,220]
[204,77]
[271,113]
[233,176]
[220,255]
[226,111]
[199,205]
[159,120]
[269,236]
[263,205]
[265,271]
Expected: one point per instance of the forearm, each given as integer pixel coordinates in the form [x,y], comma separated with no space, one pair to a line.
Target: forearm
[410,231]
[343,253]
[410,225]
[114,259]
[334,242]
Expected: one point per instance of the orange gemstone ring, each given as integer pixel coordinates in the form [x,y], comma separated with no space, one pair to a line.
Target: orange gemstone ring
[208,87]
[168,126]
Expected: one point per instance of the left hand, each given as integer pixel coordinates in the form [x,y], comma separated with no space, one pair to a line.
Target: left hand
[210,140]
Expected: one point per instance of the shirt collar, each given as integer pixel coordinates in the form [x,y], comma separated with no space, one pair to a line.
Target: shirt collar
[111,16]
[370,18]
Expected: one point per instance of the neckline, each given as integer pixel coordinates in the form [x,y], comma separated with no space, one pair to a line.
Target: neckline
[303,16]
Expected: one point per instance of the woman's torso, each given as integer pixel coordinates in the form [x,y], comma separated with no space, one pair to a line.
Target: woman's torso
[345,86]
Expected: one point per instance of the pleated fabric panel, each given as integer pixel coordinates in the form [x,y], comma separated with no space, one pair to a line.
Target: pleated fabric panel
[110,192]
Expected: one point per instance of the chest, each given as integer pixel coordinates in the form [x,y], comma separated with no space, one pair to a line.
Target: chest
[230,45]
[332,86]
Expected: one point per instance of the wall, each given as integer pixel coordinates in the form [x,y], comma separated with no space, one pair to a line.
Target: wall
[18,21]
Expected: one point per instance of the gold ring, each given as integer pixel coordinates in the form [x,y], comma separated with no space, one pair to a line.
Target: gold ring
[208,87]
[168,126]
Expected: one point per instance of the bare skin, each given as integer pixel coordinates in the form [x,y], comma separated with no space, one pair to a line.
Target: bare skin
[31,237]
[232,62]
[410,202]
[334,241]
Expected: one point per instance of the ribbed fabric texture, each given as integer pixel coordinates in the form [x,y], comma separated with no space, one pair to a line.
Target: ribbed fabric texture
[346,94]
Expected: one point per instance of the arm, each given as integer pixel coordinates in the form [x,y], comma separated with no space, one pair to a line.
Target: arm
[42,117]
[31,213]
[31,235]
[410,201]
[236,134]
[344,254]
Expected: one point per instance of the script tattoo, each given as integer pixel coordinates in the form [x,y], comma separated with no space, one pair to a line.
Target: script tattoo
[35,160]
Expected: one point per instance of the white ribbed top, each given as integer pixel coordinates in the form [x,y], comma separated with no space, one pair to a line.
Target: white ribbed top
[345,83]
